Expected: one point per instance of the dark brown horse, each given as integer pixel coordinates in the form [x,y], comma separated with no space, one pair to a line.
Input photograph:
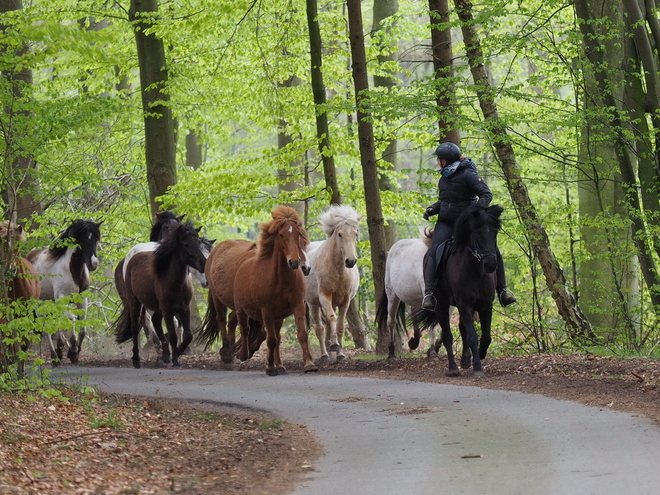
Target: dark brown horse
[262,283]
[158,281]
[468,282]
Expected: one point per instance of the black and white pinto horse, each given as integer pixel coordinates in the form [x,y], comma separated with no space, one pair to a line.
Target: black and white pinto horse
[64,269]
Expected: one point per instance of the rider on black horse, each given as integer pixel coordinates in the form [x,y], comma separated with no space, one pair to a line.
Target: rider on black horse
[459,186]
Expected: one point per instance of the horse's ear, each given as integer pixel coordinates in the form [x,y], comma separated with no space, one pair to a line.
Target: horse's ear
[19,229]
[360,217]
[496,210]
[198,229]
[212,241]
[99,224]
[181,217]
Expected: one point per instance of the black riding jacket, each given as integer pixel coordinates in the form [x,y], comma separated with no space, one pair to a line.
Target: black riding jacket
[459,186]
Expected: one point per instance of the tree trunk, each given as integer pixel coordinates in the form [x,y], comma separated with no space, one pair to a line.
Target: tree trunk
[375,220]
[286,182]
[194,154]
[388,160]
[160,147]
[318,89]
[622,150]
[443,71]
[566,303]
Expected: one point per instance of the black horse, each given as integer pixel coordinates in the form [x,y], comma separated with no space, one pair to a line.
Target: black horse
[468,283]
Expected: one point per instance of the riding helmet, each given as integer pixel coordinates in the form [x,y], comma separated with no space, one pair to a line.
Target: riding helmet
[448,151]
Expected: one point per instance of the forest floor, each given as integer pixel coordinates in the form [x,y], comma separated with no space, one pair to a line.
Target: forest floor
[120,445]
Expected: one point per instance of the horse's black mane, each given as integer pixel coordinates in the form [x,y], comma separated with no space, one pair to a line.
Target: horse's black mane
[82,232]
[170,245]
[473,218]
[162,217]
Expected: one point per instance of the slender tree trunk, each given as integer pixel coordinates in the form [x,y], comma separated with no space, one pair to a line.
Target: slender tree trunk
[443,71]
[286,176]
[375,220]
[382,10]
[318,89]
[566,303]
[160,147]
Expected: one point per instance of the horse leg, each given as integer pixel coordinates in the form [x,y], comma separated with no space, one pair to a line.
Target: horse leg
[432,351]
[472,341]
[171,337]
[319,329]
[186,339]
[486,317]
[447,339]
[243,323]
[272,342]
[466,355]
[76,344]
[55,354]
[277,361]
[150,331]
[228,334]
[164,356]
[331,322]
[303,340]
[135,308]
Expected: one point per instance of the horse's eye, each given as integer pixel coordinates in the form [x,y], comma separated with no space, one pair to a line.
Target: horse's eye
[339,235]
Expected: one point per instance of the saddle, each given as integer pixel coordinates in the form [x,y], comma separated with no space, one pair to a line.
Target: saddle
[441,256]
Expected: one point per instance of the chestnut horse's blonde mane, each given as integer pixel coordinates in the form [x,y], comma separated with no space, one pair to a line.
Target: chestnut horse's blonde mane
[281,215]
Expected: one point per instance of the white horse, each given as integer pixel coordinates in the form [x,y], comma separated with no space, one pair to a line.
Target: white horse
[404,284]
[334,278]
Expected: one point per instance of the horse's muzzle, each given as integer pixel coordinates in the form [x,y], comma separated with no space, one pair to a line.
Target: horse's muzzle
[305,269]
[93,264]
[294,264]
[350,262]
[489,263]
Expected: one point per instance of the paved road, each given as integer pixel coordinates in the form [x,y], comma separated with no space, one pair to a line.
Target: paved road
[396,437]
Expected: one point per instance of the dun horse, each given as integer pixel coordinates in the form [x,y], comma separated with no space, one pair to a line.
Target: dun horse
[468,283]
[158,281]
[262,283]
[64,269]
[404,284]
[334,277]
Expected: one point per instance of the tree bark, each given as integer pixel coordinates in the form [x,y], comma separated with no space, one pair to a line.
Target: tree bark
[318,89]
[375,220]
[159,137]
[566,303]
[443,71]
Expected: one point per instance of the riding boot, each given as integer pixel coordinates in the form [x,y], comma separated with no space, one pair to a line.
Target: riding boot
[504,295]
[429,301]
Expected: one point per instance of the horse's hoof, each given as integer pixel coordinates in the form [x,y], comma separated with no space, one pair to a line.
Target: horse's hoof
[227,366]
[466,364]
[324,359]
[137,364]
[167,359]
[413,344]
[281,370]
[479,374]
[455,372]
[431,355]
[334,348]
[160,364]
[272,371]
[340,357]
[176,365]
[310,368]
[56,363]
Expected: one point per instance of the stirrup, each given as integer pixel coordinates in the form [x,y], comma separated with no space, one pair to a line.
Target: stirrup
[507,298]
[429,302]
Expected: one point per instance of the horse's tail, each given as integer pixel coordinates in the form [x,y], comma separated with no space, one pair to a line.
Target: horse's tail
[381,314]
[424,318]
[122,326]
[207,333]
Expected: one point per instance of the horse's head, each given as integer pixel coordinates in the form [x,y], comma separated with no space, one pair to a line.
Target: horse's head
[341,224]
[165,222]
[286,233]
[85,234]
[191,245]
[207,246]
[12,234]
[476,230]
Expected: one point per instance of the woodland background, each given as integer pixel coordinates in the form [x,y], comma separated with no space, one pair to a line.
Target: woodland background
[225,109]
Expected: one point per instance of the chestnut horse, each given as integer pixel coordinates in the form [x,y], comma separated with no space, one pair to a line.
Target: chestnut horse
[262,283]
[158,281]
[23,280]
[65,269]
[334,278]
